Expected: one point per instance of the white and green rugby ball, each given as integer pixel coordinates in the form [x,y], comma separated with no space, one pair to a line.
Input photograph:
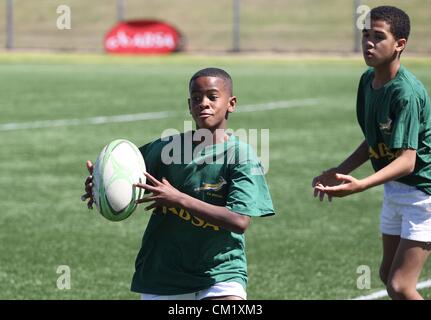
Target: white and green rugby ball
[118,167]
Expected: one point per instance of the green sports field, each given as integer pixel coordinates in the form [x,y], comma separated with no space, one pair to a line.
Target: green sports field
[309,250]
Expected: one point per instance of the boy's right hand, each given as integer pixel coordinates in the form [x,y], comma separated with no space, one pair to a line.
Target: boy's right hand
[88,186]
[327,179]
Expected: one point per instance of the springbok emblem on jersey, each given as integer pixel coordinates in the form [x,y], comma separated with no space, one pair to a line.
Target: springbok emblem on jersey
[212,186]
[386,127]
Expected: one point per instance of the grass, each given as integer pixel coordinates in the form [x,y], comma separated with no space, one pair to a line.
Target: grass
[309,250]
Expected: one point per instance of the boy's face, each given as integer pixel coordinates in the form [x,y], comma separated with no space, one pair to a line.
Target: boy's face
[210,102]
[379,45]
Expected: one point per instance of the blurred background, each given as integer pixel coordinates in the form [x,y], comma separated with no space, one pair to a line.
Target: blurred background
[325,26]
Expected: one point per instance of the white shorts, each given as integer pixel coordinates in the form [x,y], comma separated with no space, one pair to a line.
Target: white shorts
[217,290]
[406,211]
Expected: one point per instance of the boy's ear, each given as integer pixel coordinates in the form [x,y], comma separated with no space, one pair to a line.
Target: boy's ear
[188,102]
[232,104]
[400,44]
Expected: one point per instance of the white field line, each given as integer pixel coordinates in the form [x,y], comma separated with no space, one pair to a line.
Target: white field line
[384,293]
[146,116]
[277,105]
[82,121]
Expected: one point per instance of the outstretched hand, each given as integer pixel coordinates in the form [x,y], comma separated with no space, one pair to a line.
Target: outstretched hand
[163,193]
[326,179]
[346,185]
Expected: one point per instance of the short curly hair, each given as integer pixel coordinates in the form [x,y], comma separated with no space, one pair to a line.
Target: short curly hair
[214,72]
[397,19]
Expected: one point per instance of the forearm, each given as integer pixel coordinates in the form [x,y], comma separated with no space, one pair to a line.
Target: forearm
[400,167]
[217,215]
[355,160]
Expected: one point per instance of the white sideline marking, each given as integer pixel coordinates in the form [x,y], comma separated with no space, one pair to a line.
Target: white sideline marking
[384,293]
[146,116]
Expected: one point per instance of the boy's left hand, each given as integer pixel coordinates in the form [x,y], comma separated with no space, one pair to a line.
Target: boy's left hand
[163,193]
[349,185]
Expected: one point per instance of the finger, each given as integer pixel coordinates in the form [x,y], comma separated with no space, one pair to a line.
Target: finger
[343,177]
[165,181]
[88,180]
[314,182]
[319,186]
[152,206]
[321,195]
[90,166]
[146,187]
[153,180]
[145,199]
[88,188]
[85,196]
[341,187]
[90,204]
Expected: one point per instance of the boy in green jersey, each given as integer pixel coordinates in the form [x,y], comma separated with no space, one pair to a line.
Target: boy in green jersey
[394,113]
[193,247]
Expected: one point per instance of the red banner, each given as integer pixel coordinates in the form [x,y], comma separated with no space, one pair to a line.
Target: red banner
[142,37]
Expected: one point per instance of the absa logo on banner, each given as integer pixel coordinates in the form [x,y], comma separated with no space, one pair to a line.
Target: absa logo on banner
[141,37]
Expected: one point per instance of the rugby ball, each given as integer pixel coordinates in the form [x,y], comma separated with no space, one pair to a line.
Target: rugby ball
[118,167]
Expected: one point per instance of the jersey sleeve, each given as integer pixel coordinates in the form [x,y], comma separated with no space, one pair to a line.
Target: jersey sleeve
[405,133]
[248,192]
[360,98]
[360,104]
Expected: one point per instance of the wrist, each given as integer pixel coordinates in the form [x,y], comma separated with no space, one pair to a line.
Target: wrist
[341,169]
[183,200]
[363,185]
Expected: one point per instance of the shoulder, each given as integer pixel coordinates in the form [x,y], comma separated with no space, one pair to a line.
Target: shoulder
[243,152]
[407,87]
[242,158]
[156,146]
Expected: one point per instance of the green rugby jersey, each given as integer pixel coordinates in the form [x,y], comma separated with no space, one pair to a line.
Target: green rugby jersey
[181,253]
[397,116]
